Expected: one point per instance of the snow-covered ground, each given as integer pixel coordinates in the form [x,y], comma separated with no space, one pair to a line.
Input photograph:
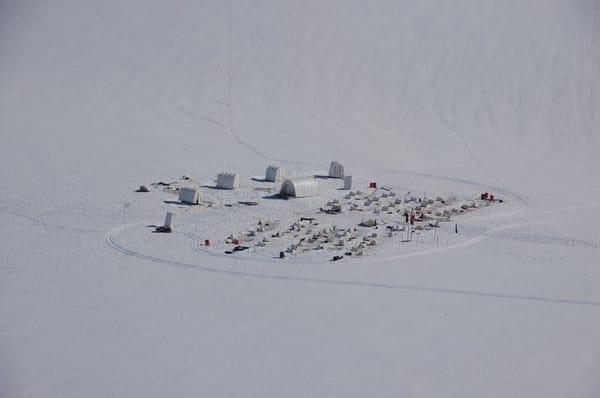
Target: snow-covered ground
[448,97]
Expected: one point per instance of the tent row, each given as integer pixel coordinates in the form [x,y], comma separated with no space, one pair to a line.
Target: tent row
[299,187]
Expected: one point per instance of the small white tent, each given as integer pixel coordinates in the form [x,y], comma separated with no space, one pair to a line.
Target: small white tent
[228,181]
[190,195]
[300,188]
[274,174]
[336,170]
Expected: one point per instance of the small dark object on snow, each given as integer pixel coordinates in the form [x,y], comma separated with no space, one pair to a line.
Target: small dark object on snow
[163,229]
[336,258]
[240,248]
[307,219]
[142,188]
[368,223]
[185,178]
[335,209]
[249,203]
[164,184]
[348,253]
[228,252]
[281,255]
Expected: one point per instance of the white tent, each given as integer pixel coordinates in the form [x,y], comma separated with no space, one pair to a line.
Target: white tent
[300,188]
[190,195]
[336,170]
[228,181]
[274,174]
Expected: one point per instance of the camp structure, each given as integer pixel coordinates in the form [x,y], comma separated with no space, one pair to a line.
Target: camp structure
[336,170]
[347,183]
[169,219]
[274,174]
[300,187]
[228,181]
[190,195]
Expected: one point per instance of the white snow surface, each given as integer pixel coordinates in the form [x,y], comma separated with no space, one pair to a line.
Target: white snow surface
[455,96]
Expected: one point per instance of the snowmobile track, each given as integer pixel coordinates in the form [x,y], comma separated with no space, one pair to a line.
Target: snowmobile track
[111,240]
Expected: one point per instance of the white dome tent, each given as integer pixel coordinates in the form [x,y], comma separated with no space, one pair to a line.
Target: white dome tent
[228,181]
[336,170]
[190,195]
[274,174]
[300,187]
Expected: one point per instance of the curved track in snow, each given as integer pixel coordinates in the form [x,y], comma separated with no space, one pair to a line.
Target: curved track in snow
[112,241]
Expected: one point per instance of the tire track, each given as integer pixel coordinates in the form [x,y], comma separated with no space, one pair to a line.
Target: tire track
[111,240]
[228,102]
[475,159]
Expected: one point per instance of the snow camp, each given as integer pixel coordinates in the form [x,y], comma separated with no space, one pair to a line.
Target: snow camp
[273,199]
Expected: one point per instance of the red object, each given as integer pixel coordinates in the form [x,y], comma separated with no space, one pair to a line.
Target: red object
[236,241]
[485,196]
[492,198]
[372,185]
[206,242]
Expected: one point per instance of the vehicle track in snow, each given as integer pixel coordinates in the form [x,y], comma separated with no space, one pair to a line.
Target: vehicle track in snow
[465,144]
[111,240]
[228,102]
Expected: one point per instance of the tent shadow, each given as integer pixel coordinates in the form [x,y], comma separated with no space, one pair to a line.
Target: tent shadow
[257,179]
[214,187]
[322,177]
[176,202]
[277,196]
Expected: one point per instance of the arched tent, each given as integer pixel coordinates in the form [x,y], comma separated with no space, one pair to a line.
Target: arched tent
[336,170]
[274,174]
[228,181]
[300,188]
[190,195]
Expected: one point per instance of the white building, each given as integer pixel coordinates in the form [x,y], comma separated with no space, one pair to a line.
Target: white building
[274,174]
[190,195]
[228,181]
[336,170]
[300,188]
